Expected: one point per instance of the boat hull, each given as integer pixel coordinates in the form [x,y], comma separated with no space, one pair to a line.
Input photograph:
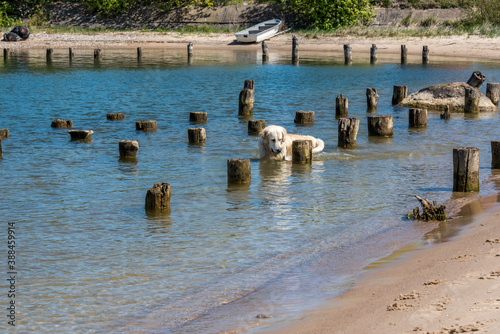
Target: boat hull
[259,32]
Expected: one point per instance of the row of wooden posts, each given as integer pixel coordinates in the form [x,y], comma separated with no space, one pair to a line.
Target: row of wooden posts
[265,53]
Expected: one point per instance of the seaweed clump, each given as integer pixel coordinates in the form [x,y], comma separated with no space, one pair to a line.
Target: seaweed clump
[430,211]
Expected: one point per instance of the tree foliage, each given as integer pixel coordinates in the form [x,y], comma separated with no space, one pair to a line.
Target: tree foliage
[328,14]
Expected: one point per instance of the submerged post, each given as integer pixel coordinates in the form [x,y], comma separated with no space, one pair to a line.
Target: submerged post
[0,147]
[71,54]
[256,126]
[198,117]
[128,149]
[97,54]
[417,118]
[493,92]
[466,169]
[404,54]
[495,154]
[302,151]
[399,94]
[62,123]
[295,50]
[197,135]
[341,106]
[246,99]
[82,135]
[139,53]
[4,133]
[373,54]
[348,131]
[50,55]
[265,54]
[446,114]
[472,96]
[6,52]
[380,126]
[304,117]
[145,126]
[115,116]
[425,54]
[238,171]
[158,197]
[347,54]
[371,100]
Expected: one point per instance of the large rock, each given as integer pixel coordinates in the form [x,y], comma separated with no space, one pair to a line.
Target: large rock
[439,96]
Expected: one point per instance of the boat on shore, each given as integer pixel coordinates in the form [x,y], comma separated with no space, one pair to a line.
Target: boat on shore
[259,32]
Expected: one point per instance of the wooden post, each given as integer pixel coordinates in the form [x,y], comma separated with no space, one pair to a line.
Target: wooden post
[341,106]
[50,55]
[347,54]
[425,55]
[446,114]
[97,54]
[115,116]
[476,79]
[304,117]
[82,135]
[265,54]
[128,149]
[190,49]
[198,117]
[404,54]
[71,54]
[238,171]
[139,53]
[373,54]
[256,126]
[62,124]
[380,126]
[466,169]
[495,154]
[0,147]
[371,100]
[472,97]
[295,50]
[418,118]
[145,125]
[158,197]
[197,135]
[302,151]
[399,94]
[4,133]
[493,91]
[348,131]
[246,98]
[6,53]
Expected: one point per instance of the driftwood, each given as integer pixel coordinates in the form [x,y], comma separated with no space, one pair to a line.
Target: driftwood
[429,211]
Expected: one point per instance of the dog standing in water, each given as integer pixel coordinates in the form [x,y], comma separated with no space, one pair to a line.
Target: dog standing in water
[276,143]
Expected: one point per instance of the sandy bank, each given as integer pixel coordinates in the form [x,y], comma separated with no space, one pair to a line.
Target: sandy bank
[456,46]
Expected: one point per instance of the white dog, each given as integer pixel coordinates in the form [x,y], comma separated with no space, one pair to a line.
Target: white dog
[276,144]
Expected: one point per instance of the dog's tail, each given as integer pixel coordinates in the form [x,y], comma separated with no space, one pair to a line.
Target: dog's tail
[320,145]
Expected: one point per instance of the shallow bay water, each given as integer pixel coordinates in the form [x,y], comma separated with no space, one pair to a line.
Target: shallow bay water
[91,260]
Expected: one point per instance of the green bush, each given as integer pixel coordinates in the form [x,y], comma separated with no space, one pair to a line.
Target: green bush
[328,14]
[5,20]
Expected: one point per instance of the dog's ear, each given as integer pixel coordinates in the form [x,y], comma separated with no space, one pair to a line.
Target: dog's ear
[283,133]
[264,134]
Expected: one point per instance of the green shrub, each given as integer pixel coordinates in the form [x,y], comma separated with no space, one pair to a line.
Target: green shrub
[430,21]
[5,20]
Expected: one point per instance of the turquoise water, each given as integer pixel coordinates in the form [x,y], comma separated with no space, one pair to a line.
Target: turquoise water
[91,260]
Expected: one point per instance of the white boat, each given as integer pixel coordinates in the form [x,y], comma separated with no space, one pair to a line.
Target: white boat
[259,32]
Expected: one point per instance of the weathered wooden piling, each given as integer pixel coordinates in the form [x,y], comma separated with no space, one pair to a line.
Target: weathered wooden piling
[198,117]
[304,117]
[373,54]
[128,149]
[139,53]
[115,116]
[295,50]
[6,53]
[446,114]
[246,99]
[472,97]
[466,169]
[265,53]
[256,126]
[371,100]
[50,55]
[158,197]
[495,154]
[476,79]
[425,54]
[1,147]
[197,135]
[302,151]
[82,135]
[97,54]
[493,92]
[341,106]
[62,123]
[190,49]
[347,54]
[380,126]
[238,171]
[399,94]
[417,118]
[145,126]
[404,54]
[71,54]
[4,133]
[348,131]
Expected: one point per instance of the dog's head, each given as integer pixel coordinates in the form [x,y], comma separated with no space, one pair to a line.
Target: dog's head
[274,138]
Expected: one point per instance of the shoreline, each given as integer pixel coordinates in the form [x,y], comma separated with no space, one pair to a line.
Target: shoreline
[449,287]
[454,46]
